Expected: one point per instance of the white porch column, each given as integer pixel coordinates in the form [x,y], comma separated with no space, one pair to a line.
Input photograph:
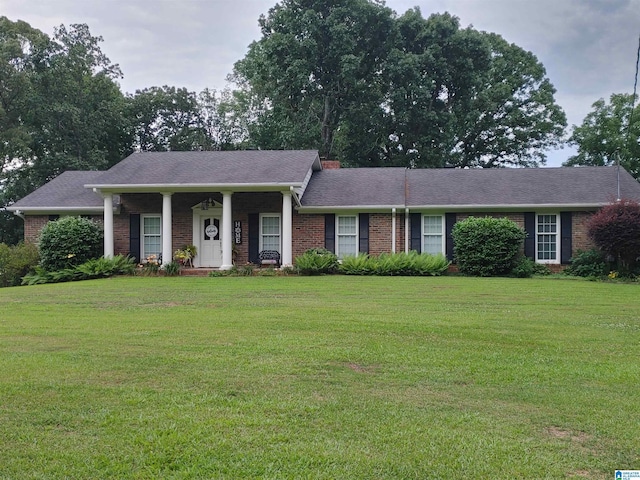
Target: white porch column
[108,225]
[286,259]
[227,232]
[167,247]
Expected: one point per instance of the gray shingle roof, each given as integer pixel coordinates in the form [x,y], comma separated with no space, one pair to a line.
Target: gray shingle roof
[588,186]
[65,192]
[249,167]
[350,187]
[457,188]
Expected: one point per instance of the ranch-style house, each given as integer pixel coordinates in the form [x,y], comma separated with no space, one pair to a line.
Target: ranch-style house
[234,205]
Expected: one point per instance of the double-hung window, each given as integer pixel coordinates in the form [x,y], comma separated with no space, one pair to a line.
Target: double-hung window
[547,229]
[346,235]
[432,234]
[151,226]
[270,231]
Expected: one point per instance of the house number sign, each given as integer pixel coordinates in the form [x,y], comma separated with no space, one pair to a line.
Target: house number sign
[237,232]
[211,231]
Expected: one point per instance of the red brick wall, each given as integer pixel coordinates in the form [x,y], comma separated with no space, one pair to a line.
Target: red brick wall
[581,241]
[380,233]
[308,232]
[330,164]
[308,229]
[32,226]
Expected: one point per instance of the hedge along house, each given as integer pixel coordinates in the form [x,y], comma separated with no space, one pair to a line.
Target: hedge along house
[233,205]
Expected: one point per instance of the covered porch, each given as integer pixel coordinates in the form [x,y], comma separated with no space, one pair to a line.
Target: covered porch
[222,230]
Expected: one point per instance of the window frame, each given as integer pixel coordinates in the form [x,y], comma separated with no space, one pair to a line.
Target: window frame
[555,241]
[262,235]
[356,235]
[143,253]
[424,235]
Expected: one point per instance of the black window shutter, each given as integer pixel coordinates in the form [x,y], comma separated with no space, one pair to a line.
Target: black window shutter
[134,236]
[53,218]
[450,221]
[565,237]
[330,232]
[254,237]
[416,231]
[363,231]
[530,240]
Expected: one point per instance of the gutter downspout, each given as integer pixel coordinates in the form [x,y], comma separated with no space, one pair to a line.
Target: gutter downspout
[407,233]
[18,213]
[393,230]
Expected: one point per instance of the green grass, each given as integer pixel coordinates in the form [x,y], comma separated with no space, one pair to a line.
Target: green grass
[324,377]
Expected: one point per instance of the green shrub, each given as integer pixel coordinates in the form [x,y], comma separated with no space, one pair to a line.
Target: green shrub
[317,261]
[487,246]
[589,264]
[524,268]
[171,269]
[433,265]
[94,268]
[68,242]
[395,264]
[218,273]
[107,267]
[362,264]
[15,262]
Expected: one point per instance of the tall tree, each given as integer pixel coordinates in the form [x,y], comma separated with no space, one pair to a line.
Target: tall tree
[434,71]
[608,134]
[222,120]
[355,81]
[77,107]
[21,53]
[165,118]
[169,118]
[61,108]
[512,117]
[317,59]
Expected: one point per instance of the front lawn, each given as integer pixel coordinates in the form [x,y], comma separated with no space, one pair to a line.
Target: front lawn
[319,377]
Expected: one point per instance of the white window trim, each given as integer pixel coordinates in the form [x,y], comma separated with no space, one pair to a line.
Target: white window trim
[442,230]
[555,260]
[143,254]
[338,235]
[261,235]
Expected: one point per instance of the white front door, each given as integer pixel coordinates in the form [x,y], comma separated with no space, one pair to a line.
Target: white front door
[210,241]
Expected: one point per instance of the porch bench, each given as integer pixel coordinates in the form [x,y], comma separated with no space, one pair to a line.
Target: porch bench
[269,257]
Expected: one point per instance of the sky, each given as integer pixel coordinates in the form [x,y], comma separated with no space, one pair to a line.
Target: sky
[588,47]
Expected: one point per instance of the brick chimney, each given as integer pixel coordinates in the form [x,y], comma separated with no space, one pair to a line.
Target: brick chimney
[330,164]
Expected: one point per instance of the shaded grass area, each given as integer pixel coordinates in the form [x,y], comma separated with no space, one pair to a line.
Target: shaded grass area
[325,377]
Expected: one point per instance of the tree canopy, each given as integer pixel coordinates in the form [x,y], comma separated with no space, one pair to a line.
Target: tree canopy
[608,134]
[60,108]
[359,83]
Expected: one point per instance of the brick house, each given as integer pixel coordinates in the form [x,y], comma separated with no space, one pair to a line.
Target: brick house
[233,205]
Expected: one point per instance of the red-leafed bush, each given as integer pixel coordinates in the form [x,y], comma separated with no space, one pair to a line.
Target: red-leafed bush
[615,230]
